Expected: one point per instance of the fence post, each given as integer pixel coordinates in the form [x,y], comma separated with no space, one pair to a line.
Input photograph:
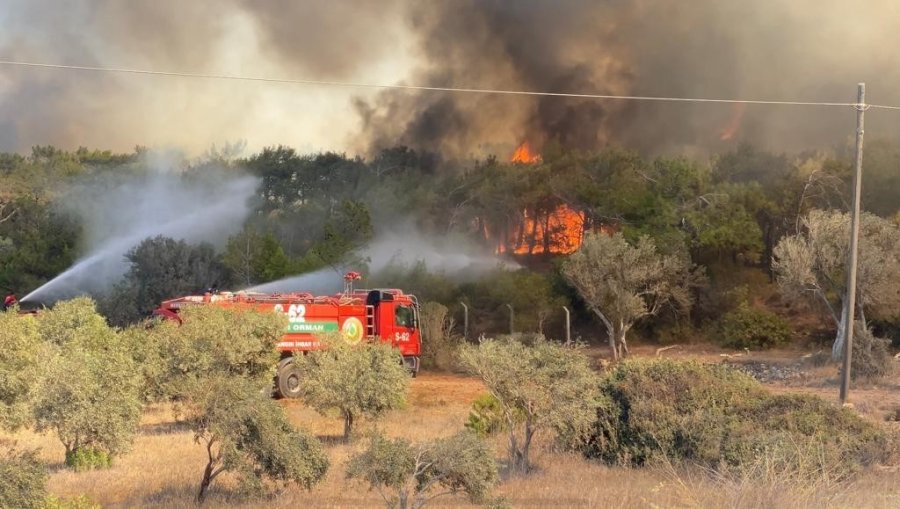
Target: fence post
[568,327]
[512,315]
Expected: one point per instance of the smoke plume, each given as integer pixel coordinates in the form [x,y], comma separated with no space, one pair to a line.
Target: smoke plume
[809,50]
[283,38]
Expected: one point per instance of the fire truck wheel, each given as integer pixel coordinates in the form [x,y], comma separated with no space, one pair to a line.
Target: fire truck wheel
[288,379]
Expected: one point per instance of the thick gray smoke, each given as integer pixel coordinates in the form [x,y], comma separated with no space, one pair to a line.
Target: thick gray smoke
[456,258]
[811,50]
[284,38]
[120,211]
[808,50]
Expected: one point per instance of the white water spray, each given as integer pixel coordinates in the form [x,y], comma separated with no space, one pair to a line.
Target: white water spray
[454,257]
[201,208]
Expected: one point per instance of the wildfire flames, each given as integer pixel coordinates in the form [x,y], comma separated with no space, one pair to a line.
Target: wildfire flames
[559,231]
[734,124]
[523,154]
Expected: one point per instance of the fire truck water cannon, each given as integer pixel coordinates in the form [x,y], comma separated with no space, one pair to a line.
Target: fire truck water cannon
[349,278]
[387,315]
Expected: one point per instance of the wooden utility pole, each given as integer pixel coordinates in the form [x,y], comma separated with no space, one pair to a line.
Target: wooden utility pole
[854,244]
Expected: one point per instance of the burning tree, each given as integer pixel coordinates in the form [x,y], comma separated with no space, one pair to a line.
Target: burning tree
[623,283]
[530,218]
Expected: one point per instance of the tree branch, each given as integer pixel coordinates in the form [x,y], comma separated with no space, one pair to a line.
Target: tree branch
[4,218]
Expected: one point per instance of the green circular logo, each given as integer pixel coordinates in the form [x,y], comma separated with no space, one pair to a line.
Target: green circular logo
[352,330]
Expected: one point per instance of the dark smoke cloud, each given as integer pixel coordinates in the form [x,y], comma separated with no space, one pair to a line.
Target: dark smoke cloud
[809,50]
[767,49]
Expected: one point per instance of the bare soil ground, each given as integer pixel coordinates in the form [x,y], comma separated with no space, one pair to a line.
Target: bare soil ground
[165,465]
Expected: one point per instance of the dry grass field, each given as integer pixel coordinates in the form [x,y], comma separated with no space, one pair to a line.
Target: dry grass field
[165,465]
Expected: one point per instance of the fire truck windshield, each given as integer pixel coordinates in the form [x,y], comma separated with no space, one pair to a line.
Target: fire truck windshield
[403,316]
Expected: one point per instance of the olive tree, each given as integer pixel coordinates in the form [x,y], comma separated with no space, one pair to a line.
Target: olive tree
[209,340]
[811,266]
[90,394]
[21,352]
[410,475]
[244,431]
[541,386]
[217,364]
[367,379]
[622,283]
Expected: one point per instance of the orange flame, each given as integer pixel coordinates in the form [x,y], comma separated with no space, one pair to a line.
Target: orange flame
[525,155]
[734,125]
[559,231]
[562,230]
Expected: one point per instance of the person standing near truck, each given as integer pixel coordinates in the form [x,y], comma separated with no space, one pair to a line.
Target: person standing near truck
[9,301]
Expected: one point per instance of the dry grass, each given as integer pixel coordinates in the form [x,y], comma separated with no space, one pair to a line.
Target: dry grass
[164,468]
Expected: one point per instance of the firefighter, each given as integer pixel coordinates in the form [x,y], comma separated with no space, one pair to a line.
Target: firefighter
[9,301]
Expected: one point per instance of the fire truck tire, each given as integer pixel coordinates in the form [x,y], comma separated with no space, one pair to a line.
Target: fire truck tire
[287,379]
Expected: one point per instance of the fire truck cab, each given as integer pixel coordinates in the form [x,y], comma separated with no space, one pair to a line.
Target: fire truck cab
[386,315]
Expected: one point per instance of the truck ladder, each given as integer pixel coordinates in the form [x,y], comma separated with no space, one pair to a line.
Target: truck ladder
[370,321]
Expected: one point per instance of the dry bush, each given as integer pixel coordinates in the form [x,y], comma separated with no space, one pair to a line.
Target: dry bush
[871,359]
[716,417]
[439,347]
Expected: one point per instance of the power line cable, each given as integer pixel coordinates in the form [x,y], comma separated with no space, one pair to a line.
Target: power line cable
[430,88]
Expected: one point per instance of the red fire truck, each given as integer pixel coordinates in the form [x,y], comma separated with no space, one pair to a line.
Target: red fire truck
[387,315]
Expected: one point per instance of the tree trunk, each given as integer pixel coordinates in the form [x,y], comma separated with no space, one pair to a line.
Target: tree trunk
[204,484]
[621,342]
[837,350]
[613,346]
[513,447]
[526,447]
[348,425]
[610,333]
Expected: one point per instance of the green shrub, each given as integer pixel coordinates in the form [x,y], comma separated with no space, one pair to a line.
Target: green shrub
[720,418]
[86,458]
[486,416]
[749,327]
[23,480]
